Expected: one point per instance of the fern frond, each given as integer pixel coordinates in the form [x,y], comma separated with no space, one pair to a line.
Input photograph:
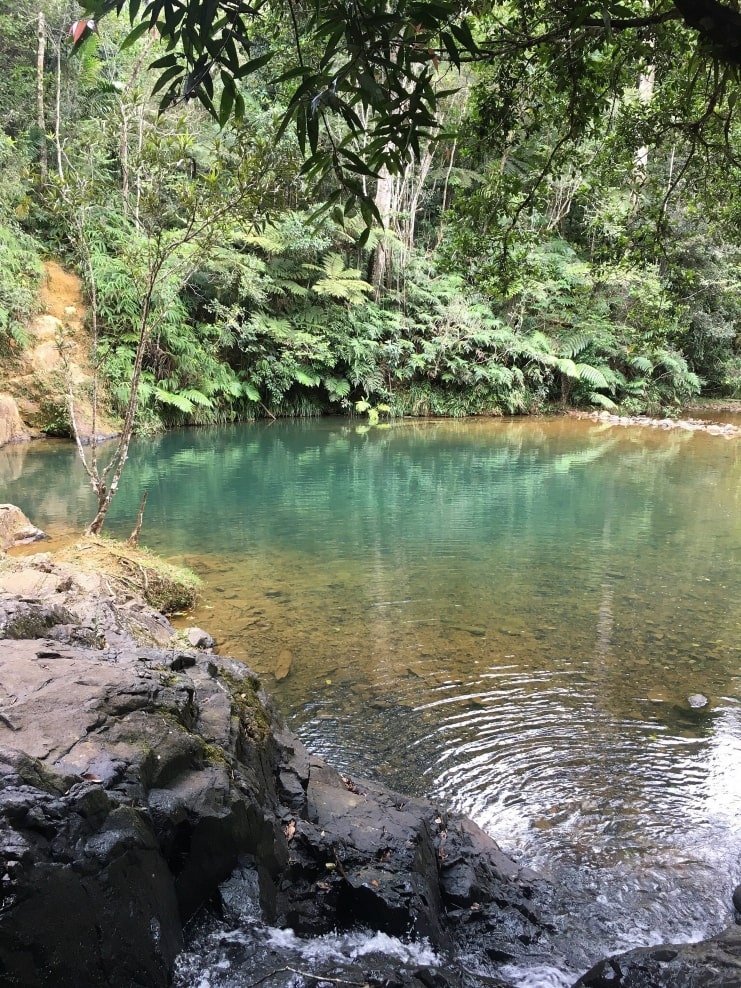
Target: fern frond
[174,399]
[597,398]
[641,363]
[567,367]
[196,397]
[574,345]
[592,375]
[338,387]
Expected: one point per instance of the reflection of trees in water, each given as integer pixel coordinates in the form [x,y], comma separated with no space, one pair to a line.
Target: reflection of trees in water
[45,479]
[526,524]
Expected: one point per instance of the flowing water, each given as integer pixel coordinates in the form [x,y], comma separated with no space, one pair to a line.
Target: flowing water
[509,615]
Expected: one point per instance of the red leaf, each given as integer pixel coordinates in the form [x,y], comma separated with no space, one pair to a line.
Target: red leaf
[79,28]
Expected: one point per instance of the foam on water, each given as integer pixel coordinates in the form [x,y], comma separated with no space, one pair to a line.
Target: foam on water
[219,957]
[351,946]
[538,976]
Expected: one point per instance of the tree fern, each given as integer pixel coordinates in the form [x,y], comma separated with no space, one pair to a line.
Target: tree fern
[341,283]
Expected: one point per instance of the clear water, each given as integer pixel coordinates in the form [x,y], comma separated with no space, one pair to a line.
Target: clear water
[509,615]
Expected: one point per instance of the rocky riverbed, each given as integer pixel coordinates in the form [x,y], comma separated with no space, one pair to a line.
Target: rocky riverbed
[153,809]
[686,424]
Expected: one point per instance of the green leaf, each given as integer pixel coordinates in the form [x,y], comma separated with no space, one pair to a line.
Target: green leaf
[227,99]
[133,36]
[166,77]
[307,378]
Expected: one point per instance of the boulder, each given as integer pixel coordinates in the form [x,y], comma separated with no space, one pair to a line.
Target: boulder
[198,638]
[12,429]
[714,963]
[15,528]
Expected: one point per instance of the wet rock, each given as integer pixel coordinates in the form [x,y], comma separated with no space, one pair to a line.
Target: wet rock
[737,898]
[199,638]
[697,701]
[257,954]
[713,963]
[15,528]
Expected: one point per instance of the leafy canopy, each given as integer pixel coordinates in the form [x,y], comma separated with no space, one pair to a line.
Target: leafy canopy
[364,80]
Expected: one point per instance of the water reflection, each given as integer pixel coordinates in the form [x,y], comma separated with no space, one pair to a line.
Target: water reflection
[509,614]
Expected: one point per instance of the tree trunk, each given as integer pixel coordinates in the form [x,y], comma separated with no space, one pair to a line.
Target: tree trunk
[40,114]
[127,112]
[106,494]
[58,112]
[124,155]
[645,93]
[418,184]
[134,537]
[446,187]
[381,259]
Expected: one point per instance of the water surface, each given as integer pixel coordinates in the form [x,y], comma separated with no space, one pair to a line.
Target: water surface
[510,615]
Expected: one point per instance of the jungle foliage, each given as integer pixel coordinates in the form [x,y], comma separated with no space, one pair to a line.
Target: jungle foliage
[560,230]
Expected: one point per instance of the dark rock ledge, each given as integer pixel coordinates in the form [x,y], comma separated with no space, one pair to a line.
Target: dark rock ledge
[136,777]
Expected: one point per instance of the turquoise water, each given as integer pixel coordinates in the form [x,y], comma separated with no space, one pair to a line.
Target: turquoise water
[508,614]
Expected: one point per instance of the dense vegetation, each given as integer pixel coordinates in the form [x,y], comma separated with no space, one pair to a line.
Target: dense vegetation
[560,228]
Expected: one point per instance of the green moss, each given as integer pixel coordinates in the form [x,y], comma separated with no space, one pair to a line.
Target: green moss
[253,718]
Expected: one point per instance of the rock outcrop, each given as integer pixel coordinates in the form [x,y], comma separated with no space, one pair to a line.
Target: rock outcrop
[56,359]
[12,429]
[134,779]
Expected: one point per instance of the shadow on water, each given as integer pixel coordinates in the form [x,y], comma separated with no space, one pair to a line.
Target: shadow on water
[510,615]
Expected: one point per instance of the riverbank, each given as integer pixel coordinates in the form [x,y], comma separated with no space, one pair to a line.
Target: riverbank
[143,779]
